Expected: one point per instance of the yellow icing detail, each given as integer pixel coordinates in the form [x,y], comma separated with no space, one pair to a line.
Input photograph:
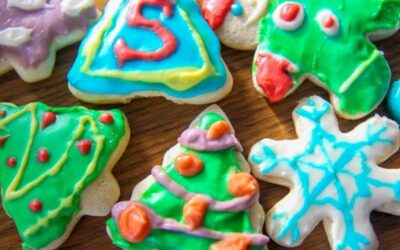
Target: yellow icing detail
[179,79]
[360,69]
[12,192]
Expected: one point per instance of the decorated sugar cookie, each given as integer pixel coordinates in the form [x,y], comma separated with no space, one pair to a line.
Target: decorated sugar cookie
[32,31]
[202,196]
[55,166]
[328,43]
[143,48]
[334,177]
[235,21]
[394,101]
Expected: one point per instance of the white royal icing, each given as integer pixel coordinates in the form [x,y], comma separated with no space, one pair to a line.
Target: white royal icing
[334,177]
[74,7]
[15,37]
[285,25]
[332,31]
[27,4]
[259,11]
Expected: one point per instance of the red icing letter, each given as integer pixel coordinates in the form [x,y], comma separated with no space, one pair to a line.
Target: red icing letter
[135,19]
[214,11]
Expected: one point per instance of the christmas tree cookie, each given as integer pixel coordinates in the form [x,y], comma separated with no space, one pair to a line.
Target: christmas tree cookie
[145,48]
[31,31]
[334,177]
[332,49]
[55,167]
[235,21]
[202,197]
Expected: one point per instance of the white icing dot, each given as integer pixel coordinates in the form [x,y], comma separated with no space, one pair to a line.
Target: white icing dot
[328,22]
[27,4]
[289,25]
[74,7]
[15,37]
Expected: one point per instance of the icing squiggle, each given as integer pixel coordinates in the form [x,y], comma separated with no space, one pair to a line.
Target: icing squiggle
[234,205]
[15,37]
[195,138]
[135,19]
[172,225]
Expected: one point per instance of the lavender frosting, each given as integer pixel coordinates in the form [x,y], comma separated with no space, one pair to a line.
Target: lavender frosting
[197,139]
[172,225]
[46,23]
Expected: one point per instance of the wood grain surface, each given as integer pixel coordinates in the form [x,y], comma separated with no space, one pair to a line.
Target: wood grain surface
[156,124]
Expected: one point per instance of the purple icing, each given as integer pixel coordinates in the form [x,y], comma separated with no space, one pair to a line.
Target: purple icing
[234,205]
[172,225]
[47,23]
[197,139]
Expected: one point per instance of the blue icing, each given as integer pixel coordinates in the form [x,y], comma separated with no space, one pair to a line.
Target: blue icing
[187,54]
[237,9]
[322,141]
[394,101]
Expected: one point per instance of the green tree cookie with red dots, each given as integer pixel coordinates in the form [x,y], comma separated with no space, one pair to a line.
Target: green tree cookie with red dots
[50,160]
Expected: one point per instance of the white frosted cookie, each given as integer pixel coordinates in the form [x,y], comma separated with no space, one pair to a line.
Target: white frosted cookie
[31,31]
[202,197]
[334,177]
[235,21]
[56,167]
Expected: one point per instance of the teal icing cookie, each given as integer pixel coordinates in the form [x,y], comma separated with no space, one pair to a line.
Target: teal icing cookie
[143,48]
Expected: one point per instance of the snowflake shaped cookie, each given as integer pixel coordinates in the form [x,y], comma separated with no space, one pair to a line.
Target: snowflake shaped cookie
[333,176]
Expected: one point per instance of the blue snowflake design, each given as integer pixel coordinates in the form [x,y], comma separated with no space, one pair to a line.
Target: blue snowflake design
[337,163]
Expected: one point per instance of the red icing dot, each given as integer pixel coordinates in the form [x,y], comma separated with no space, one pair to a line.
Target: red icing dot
[329,22]
[3,140]
[3,113]
[84,146]
[35,206]
[106,118]
[43,155]
[290,11]
[48,118]
[11,162]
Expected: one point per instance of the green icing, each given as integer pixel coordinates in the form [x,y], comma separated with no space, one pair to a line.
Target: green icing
[212,181]
[208,120]
[61,188]
[347,64]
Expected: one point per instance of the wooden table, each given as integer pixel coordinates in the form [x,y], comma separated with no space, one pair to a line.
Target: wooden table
[156,124]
